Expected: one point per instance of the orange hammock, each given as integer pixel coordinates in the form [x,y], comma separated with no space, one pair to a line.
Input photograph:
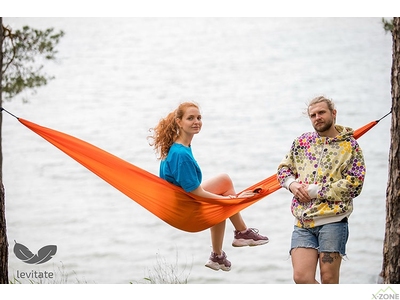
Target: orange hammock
[168,202]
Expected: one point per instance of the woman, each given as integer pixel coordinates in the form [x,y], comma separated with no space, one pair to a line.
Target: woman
[172,138]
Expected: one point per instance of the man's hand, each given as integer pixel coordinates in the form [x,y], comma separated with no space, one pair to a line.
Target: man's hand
[300,191]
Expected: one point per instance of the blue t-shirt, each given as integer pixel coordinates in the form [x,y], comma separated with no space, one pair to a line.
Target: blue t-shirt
[180,168]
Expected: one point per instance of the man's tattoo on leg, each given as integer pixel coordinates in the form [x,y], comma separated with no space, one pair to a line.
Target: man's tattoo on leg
[329,257]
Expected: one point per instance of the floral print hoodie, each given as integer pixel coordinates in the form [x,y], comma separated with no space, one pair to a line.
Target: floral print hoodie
[335,170]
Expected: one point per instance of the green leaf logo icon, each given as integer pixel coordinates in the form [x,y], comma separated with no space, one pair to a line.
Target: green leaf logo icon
[44,254]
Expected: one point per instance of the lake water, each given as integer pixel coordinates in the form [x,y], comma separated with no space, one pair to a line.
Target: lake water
[116,77]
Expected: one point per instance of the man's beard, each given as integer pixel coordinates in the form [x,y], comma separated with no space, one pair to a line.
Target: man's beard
[326,126]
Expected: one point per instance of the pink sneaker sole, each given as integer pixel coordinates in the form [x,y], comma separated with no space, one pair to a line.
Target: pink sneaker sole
[250,243]
[216,266]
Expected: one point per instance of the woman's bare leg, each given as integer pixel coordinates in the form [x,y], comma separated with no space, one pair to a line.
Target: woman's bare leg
[222,185]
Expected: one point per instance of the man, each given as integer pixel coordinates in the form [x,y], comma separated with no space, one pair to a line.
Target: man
[324,170]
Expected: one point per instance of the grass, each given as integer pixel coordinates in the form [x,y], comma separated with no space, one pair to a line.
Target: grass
[162,272]
[59,277]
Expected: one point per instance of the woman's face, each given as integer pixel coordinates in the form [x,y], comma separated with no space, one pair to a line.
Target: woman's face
[191,121]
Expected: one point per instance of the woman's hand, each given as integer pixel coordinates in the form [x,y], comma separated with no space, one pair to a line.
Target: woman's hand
[246,194]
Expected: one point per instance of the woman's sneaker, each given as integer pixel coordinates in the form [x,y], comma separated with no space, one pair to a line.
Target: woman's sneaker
[249,238]
[217,262]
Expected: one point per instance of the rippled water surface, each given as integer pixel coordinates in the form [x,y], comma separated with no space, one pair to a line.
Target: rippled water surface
[116,77]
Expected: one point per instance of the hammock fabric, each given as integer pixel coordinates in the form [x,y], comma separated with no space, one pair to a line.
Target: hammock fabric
[168,202]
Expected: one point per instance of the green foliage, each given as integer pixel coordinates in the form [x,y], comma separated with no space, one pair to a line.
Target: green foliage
[387,25]
[24,51]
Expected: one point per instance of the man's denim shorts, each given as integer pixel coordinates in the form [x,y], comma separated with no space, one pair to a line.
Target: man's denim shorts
[325,238]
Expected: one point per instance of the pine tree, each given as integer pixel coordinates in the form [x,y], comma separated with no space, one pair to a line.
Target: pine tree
[20,50]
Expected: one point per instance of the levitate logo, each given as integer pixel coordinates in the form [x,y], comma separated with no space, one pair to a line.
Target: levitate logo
[44,254]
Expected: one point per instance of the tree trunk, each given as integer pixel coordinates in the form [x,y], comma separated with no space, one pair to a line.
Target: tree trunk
[3,230]
[391,247]
[3,239]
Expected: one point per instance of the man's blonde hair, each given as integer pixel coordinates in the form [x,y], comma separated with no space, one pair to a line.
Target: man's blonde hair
[319,99]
